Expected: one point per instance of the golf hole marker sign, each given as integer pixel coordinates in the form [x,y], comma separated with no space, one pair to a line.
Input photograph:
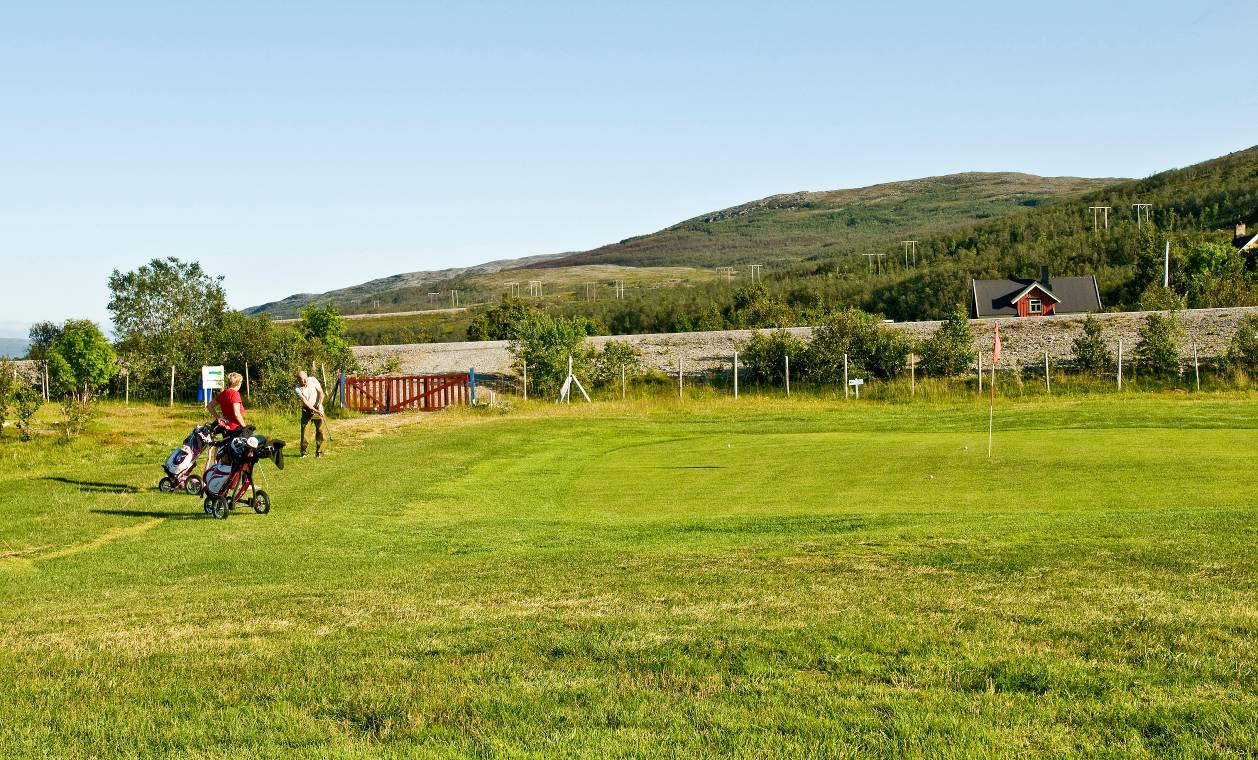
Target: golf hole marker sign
[856,383]
[212,378]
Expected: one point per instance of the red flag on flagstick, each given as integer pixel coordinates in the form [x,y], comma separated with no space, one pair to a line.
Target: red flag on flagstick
[996,346]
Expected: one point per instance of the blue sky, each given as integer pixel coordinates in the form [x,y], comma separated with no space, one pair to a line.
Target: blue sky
[306,146]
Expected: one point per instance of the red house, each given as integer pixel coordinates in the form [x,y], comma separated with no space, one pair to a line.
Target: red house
[1040,297]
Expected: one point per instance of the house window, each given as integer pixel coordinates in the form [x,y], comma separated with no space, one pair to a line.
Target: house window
[1035,306]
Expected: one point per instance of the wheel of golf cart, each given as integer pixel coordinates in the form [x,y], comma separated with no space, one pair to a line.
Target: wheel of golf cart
[194,486]
[208,505]
[261,502]
[221,507]
[166,485]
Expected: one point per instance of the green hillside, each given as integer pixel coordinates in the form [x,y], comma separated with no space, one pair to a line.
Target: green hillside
[798,225]
[776,229]
[812,244]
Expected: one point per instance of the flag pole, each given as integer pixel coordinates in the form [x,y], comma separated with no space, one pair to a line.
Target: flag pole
[991,404]
[991,413]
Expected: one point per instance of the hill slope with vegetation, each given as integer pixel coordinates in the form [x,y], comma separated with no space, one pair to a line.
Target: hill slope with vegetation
[780,228]
[794,226]
[968,226]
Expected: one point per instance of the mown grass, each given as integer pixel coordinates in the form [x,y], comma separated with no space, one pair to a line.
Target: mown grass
[705,578]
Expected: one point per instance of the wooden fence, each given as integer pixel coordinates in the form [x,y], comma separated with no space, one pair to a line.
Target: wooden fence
[394,393]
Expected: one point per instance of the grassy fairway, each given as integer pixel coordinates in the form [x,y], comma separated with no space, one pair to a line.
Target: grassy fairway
[759,579]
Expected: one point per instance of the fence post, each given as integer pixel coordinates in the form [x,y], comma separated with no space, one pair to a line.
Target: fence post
[47,392]
[246,379]
[1120,364]
[526,379]
[622,382]
[788,377]
[340,388]
[471,382]
[126,382]
[735,374]
[681,373]
[846,387]
[980,371]
[912,375]
[172,385]
[1196,365]
[1047,385]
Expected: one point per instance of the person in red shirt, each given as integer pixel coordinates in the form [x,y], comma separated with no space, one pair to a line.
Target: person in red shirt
[229,403]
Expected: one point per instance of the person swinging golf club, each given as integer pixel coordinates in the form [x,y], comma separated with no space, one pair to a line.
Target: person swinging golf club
[310,391]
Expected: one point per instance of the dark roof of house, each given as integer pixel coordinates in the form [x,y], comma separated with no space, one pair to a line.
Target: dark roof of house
[995,298]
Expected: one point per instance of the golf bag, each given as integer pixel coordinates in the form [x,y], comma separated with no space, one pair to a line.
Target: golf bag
[232,472]
[182,459]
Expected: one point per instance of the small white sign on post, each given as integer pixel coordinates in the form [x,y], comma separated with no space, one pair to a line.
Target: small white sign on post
[856,383]
[212,378]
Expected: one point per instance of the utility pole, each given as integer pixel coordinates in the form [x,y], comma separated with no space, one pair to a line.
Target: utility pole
[433,296]
[1144,211]
[871,258]
[454,298]
[591,291]
[1101,209]
[910,246]
[755,273]
[514,289]
[1166,266]
[727,273]
[535,288]
[620,289]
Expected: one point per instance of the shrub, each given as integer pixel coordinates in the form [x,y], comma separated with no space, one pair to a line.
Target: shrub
[1091,353]
[1157,353]
[502,322]
[608,362]
[545,343]
[80,363]
[8,389]
[27,402]
[950,351]
[764,356]
[870,349]
[324,331]
[1158,298]
[1242,352]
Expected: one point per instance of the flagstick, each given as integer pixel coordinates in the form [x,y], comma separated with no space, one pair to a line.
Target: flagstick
[991,412]
[991,404]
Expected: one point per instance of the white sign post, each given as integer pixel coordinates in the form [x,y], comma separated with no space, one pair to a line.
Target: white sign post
[212,378]
[856,383]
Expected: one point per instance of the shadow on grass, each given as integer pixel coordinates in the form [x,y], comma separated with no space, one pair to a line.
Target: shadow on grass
[87,485]
[150,514]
